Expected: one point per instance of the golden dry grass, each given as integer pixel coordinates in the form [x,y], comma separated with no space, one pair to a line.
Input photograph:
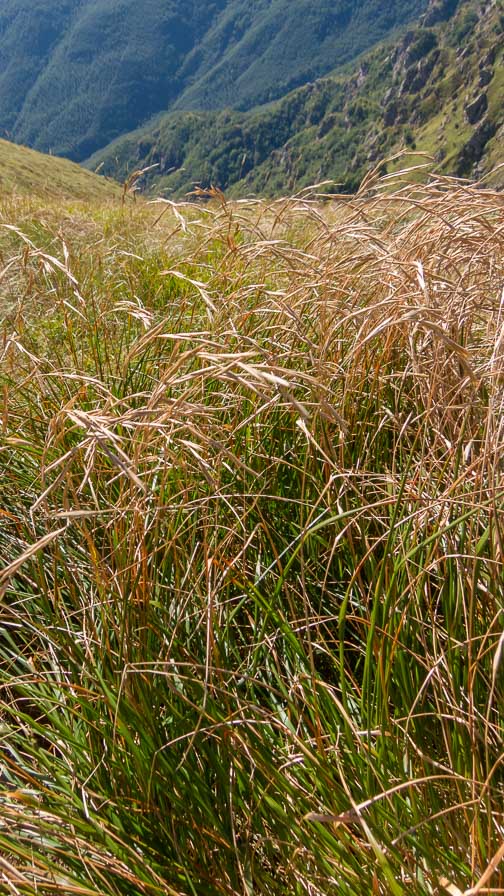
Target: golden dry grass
[253,546]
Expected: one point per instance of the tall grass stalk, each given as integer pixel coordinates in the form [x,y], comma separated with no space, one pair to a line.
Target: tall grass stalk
[251,532]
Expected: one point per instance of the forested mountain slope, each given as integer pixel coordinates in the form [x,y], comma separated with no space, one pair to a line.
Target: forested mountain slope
[75,74]
[438,90]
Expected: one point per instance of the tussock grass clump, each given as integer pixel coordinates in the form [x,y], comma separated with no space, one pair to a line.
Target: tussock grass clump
[252,547]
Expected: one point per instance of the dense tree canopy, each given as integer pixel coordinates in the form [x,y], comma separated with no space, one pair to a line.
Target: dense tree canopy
[75,74]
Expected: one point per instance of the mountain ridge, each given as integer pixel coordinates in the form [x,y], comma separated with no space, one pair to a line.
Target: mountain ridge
[437,90]
[75,74]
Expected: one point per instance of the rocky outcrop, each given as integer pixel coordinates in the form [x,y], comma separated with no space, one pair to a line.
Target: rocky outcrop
[391,114]
[424,71]
[439,11]
[490,56]
[472,151]
[475,111]
[485,76]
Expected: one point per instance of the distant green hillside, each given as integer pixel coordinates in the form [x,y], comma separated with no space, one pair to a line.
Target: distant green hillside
[75,74]
[439,90]
[25,171]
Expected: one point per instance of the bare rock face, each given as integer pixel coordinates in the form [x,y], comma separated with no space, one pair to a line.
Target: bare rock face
[391,114]
[485,76]
[439,11]
[490,56]
[472,151]
[475,111]
[362,74]
[417,75]
[424,71]
[396,113]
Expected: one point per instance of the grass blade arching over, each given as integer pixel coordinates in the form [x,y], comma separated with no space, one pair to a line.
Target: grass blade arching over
[252,546]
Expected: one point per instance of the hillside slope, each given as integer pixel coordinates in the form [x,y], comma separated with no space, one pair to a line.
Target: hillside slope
[75,74]
[438,90]
[25,171]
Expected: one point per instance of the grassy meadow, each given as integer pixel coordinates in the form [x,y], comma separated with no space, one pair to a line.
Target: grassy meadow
[251,542]
[24,171]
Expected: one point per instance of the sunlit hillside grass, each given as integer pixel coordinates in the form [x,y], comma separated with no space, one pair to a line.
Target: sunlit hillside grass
[26,172]
[251,533]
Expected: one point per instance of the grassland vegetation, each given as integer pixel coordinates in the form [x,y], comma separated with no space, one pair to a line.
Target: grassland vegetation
[25,172]
[251,532]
